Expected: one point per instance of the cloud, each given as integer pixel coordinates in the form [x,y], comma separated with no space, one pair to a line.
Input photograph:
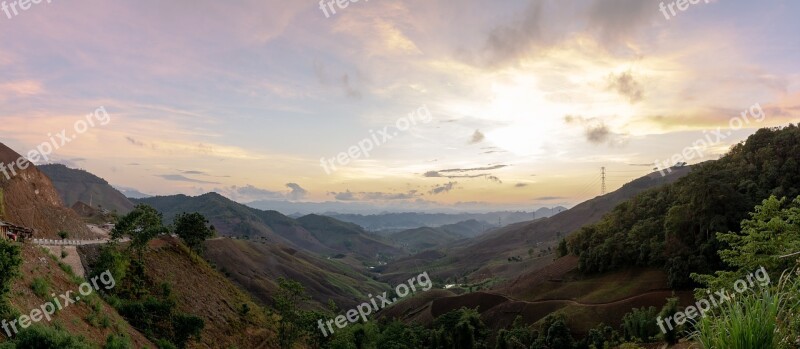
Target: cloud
[520,185]
[323,77]
[443,188]
[614,21]
[249,193]
[477,137]
[510,42]
[549,198]
[254,192]
[626,86]
[596,131]
[195,173]
[181,178]
[134,141]
[297,193]
[597,134]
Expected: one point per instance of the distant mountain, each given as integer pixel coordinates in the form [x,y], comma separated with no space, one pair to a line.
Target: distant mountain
[411,220]
[30,199]
[322,235]
[132,193]
[423,238]
[75,185]
[328,208]
[469,229]
[483,257]
[420,239]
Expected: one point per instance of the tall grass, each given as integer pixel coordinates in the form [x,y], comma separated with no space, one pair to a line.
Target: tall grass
[763,319]
[746,322]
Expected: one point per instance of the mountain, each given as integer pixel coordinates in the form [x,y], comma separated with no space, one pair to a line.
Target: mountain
[411,220]
[29,199]
[75,185]
[507,252]
[325,236]
[468,229]
[674,227]
[424,238]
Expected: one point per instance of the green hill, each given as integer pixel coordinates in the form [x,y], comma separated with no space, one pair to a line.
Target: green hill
[674,227]
[318,234]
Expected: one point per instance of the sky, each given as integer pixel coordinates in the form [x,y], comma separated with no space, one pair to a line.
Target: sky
[406,105]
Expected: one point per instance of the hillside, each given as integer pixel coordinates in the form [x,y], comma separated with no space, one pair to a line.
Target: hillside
[424,238]
[92,318]
[323,236]
[74,185]
[256,267]
[29,199]
[198,289]
[487,256]
[674,227]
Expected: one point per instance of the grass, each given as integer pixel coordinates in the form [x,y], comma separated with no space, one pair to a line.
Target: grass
[40,287]
[765,318]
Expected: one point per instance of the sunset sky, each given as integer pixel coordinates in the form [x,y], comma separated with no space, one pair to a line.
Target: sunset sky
[528,99]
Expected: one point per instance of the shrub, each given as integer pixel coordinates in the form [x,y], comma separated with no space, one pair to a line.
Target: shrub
[39,337]
[40,287]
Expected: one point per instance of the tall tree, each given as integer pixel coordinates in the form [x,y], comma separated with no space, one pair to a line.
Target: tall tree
[193,229]
[142,225]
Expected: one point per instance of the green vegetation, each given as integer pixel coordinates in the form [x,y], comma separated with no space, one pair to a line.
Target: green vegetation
[765,317]
[142,225]
[674,226]
[40,337]
[40,287]
[63,235]
[148,307]
[640,325]
[10,261]
[193,229]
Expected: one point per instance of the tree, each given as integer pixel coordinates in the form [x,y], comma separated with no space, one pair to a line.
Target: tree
[63,235]
[770,233]
[142,225]
[193,229]
[10,260]
[562,248]
[286,302]
[669,310]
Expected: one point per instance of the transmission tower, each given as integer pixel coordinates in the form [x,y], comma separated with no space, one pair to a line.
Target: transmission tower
[603,185]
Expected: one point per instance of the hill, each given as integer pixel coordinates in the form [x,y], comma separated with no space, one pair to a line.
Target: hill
[75,185]
[91,318]
[510,251]
[322,235]
[256,267]
[401,221]
[425,238]
[674,227]
[196,288]
[29,199]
